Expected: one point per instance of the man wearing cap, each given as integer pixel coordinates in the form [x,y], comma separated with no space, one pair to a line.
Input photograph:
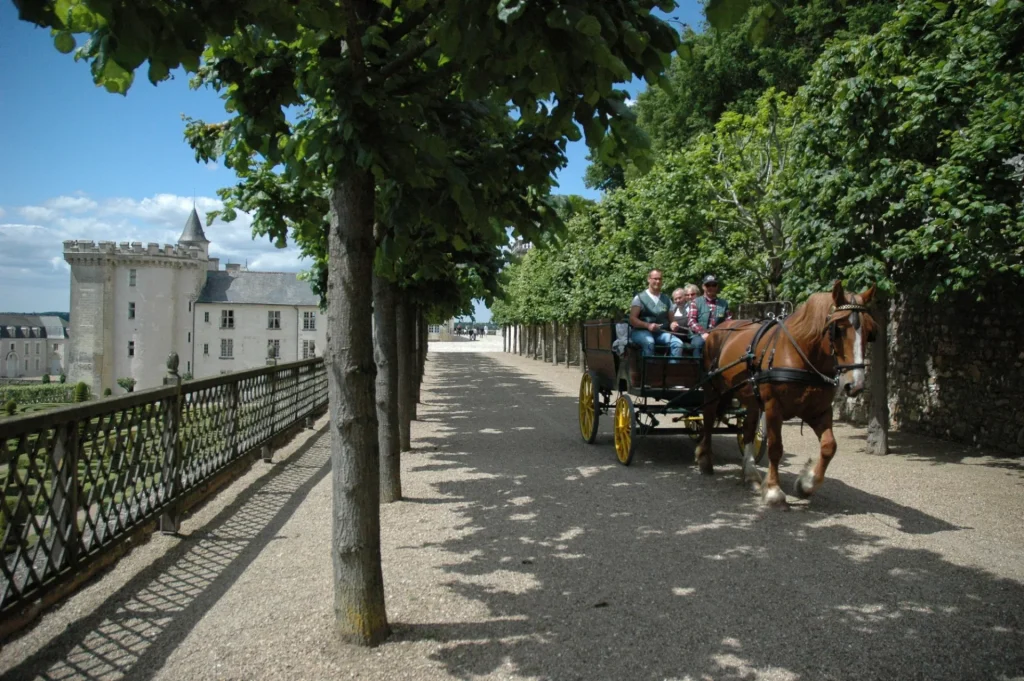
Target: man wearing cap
[706,312]
[648,315]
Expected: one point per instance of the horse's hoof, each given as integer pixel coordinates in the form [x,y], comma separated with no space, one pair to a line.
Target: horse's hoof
[706,467]
[804,487]
[775,497]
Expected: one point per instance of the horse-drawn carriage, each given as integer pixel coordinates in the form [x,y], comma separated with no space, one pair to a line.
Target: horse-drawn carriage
[651,389]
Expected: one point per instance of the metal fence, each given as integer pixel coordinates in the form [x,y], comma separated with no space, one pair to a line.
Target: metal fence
[78,480]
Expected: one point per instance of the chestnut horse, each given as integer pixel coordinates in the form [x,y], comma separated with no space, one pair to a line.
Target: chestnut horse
[789,369]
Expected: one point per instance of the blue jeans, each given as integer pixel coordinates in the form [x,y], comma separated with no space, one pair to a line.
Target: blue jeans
[697,343]
[647,341]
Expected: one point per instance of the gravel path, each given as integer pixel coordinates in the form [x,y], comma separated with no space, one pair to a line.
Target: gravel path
[522,553]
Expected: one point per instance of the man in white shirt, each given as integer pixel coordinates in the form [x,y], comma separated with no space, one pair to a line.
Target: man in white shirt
[648,315]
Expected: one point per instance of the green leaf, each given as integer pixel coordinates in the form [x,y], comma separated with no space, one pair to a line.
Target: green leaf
[510,10]
[115,79]
[64,42]
[158,71]
[724,14]
[589,25]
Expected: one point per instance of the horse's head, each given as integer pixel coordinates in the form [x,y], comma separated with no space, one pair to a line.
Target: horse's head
[850,327]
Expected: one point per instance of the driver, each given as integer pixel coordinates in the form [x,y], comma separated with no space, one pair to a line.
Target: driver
[648,315]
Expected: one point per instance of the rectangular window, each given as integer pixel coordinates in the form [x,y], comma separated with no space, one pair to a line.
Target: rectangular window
[26,365]
[189,336]
[309,321]
[274,349]
[227,319]
[227,348]
[37,347]
[55,347]
[131,310]
[206,348]
[190,306]
[434,328]
[26,352]
[274,319]
[132,275]
[206,317]
[37,364]
[308,349]
[131,348]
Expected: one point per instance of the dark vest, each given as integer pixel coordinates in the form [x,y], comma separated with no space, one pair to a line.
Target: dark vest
[704,312]
[651,313]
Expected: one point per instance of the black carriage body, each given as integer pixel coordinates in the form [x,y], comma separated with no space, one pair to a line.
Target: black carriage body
[649,387]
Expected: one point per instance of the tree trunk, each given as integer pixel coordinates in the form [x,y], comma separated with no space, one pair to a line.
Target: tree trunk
[878,381]
[403,320]
[386,356]
[355,474]
[414,369]
[554,342]
[421,352]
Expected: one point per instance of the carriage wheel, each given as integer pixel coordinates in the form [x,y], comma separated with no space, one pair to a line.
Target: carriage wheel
[625,429]
[590,407]
[694,427]
[760,439]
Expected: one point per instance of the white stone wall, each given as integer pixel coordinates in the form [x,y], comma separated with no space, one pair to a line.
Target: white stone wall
[91,322]
[251,335]
[167,279]
[31,357]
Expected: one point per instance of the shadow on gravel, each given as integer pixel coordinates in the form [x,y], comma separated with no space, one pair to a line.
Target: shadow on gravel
[917,447]
[132,633]
[591,570]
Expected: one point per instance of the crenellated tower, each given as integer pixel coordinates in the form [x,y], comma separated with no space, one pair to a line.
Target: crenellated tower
[131,305]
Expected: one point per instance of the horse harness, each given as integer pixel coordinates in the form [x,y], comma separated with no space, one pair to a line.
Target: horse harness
[772,374]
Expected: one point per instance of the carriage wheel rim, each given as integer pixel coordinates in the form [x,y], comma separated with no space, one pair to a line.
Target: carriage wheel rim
[623,430]
[586,406]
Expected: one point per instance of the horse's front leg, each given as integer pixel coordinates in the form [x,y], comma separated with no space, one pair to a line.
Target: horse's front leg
[771,492]
[751,476]
[704,447]
[809,481]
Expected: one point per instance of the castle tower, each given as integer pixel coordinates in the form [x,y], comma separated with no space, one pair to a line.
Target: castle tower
[132,305]
[193,234]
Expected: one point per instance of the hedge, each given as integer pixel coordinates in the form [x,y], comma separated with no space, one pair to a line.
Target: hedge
[34,394]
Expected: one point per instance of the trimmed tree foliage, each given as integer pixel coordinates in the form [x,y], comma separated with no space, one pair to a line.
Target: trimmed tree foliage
[370,82]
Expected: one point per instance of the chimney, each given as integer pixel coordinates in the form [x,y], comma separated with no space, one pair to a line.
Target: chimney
[232,267]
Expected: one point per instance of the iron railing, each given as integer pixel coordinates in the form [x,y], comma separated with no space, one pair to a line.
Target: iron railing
[77,480]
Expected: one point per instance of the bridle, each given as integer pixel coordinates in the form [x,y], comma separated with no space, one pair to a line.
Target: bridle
[833,332]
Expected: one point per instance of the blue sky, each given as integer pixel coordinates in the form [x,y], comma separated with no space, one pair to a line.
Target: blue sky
[82,163]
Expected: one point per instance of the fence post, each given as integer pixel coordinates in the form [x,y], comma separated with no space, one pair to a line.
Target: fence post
[170,447]
[265,452]
[65,495]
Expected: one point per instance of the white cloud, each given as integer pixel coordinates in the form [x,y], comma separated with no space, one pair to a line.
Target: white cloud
[34,276]
[212,165]
[630,102]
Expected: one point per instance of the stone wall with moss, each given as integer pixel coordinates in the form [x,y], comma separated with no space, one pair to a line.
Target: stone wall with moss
[956,370]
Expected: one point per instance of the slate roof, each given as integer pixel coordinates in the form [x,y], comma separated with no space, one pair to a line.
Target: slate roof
[32,326]
[257,288]
[193,232]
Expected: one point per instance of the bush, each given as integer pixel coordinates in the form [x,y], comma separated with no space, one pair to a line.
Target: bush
[107,392]
[127,383]
[11,407]
[46,378]
[63,378]
[81,392]
[34,394]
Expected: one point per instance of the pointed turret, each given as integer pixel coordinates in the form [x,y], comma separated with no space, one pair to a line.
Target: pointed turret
[193,234]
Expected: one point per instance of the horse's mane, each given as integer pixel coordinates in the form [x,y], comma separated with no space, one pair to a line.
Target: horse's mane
[808,320]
